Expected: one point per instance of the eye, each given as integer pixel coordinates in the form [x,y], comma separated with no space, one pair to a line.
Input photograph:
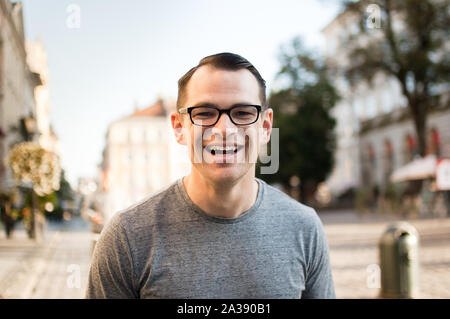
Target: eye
[204,114]
[242,113]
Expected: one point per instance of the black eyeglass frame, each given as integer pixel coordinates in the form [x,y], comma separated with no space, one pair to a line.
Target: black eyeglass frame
[188,110]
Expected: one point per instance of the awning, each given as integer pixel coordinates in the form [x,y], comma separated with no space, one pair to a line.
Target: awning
[420,168]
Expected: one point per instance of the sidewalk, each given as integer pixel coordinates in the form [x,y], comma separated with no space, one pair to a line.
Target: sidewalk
[56,268]
[59,267]
[353,245]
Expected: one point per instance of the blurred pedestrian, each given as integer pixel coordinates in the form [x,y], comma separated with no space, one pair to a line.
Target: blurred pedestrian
[7,217]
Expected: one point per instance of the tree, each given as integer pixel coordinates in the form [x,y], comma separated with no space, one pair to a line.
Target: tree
[407,40]
[302,113]
[63,194]
[32,164]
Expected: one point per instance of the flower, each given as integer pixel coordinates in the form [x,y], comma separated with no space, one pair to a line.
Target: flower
[30,162]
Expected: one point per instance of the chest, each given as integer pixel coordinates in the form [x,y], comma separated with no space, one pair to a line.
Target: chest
[224,265]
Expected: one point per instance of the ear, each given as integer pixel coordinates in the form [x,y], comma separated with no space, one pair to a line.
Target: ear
[267,121]
[177,125]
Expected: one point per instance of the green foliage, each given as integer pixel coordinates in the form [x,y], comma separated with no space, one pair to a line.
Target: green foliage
[302,114]
[65,191]
[56,214]
[49,198]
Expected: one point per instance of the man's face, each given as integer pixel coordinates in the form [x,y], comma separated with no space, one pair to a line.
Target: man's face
[223,89]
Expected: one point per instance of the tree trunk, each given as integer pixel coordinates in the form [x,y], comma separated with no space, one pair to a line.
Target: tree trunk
[32,226]
[302,192]
[306,192]
[7,219]
[419,115]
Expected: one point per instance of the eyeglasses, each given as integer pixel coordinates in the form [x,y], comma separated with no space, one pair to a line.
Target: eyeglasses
[209,115]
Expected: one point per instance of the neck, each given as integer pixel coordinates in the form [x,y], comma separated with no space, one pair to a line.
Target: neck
[228,200]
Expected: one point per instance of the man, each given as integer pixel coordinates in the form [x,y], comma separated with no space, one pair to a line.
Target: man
[218,232]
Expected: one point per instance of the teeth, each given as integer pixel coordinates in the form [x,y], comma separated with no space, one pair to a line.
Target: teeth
[221,148]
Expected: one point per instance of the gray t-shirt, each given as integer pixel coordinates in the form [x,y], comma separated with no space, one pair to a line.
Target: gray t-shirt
[167,247]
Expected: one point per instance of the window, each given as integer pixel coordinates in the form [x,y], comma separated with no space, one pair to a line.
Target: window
[371,107]
[388,160]
[368,165]
[433,142]
[409,148]
[389,100]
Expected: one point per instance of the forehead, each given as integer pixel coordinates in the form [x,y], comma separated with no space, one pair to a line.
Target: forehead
[222,87]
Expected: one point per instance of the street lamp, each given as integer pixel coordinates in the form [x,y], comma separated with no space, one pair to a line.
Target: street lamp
[30,127]
[29,123]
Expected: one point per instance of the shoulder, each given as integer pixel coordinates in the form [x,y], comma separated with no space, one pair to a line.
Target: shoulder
[281,204]
[146,212]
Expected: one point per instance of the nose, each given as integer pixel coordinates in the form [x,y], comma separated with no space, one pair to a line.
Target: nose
[224,128]
[224,122]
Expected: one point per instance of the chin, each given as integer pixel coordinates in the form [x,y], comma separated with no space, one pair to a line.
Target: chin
[222,174]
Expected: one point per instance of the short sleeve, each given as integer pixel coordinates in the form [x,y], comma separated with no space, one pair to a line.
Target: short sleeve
[112,269]
[319,282]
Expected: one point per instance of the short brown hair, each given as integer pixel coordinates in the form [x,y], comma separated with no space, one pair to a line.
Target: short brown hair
[222,61]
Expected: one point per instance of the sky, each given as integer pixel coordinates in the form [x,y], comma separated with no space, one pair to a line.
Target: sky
[123,53]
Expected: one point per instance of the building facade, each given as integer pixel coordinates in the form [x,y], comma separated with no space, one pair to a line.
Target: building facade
[37,61]
[141,156]
[388,142]
[374,132]
[17,83]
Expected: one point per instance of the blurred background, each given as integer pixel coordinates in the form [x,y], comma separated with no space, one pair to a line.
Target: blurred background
[360,91]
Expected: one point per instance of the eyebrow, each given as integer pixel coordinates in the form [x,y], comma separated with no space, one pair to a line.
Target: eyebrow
[216,106]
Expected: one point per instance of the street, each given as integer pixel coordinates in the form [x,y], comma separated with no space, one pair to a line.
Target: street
[354,253]
[58,268]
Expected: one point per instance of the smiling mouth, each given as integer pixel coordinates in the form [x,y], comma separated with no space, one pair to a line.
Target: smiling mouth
[223,150]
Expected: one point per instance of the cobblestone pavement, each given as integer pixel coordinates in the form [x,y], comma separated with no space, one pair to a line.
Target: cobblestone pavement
[59,266]
[353,244]
[56,268]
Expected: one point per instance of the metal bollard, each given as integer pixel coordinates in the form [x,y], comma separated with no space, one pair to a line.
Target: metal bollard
[399,261]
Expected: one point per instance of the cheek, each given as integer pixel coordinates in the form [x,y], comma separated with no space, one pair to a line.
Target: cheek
[196,139]
[251,135]
[192,135]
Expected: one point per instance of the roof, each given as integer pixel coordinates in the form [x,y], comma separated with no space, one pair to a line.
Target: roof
[337,19]
[156,109]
